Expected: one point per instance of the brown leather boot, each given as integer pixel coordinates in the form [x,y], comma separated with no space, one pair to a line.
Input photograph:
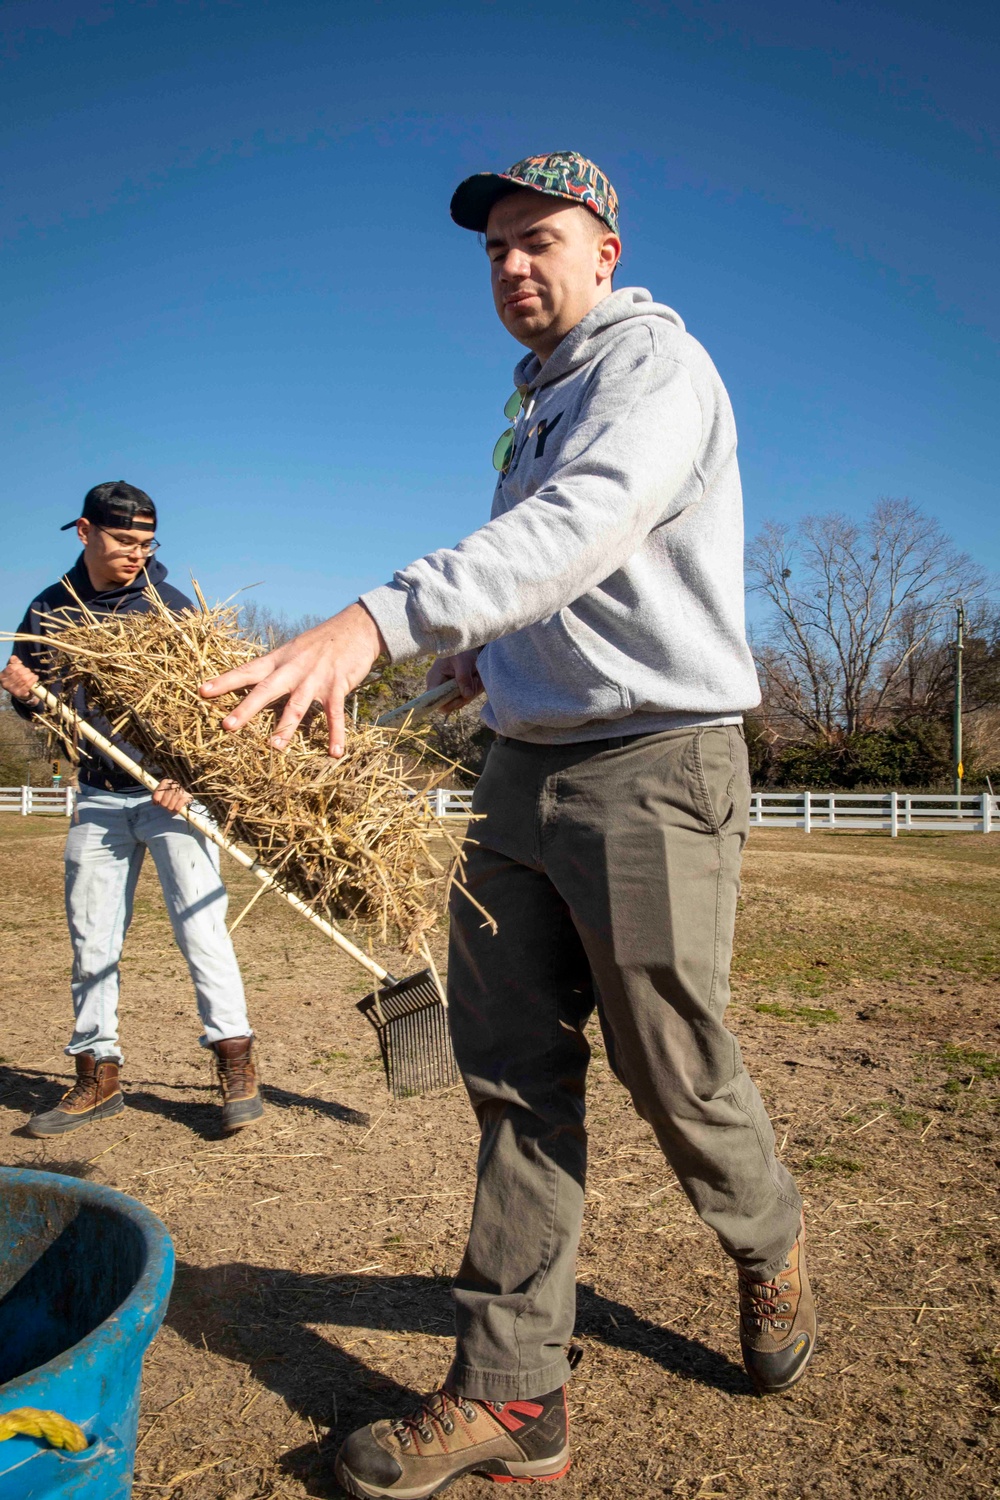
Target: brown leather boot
[517,1442]
[96,1095]
[241,1101]
[778,1322]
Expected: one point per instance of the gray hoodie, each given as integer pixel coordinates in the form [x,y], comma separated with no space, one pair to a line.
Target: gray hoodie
[607,589]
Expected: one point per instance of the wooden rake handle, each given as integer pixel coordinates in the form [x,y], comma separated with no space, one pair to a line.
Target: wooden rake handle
[208,830]
[440,697]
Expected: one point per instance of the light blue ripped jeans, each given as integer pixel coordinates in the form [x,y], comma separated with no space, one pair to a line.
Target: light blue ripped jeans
[107,841]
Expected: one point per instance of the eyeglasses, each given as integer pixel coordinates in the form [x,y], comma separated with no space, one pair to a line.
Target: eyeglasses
[503,450]
[126,544]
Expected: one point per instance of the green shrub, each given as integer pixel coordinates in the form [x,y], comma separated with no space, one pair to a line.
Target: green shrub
[915,754]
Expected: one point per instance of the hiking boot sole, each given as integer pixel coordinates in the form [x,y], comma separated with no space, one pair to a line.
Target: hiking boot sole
[241,1112]
[500,1472]
[58,1122]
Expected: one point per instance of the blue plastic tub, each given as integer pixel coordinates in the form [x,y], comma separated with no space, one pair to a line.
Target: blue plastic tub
[85,1275]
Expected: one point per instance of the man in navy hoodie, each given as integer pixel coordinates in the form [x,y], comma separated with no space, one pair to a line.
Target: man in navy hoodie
[116,821]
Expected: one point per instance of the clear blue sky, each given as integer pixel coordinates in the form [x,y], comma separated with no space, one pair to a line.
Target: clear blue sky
[231,277]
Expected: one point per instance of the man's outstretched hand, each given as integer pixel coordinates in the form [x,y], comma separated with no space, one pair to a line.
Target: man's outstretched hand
[322,665]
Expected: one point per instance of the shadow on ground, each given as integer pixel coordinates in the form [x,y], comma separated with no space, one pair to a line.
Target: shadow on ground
[203,1117]
[26,1091]
[264,1318]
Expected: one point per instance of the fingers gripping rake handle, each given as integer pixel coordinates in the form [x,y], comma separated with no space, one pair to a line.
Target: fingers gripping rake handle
[440,697]
[71,718]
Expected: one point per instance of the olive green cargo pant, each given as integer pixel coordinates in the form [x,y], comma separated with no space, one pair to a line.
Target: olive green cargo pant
[612,870]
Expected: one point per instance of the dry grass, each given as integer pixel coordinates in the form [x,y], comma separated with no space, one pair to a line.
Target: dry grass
[350,837]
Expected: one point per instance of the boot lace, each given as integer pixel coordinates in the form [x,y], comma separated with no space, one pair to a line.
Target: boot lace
[84,1091]
[434,1411]
[234,1074]
[762,1304]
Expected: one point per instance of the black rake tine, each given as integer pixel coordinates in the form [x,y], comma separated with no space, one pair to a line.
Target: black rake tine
[410,1018]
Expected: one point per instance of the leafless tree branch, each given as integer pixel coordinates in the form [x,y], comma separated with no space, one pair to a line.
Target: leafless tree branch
[860,614]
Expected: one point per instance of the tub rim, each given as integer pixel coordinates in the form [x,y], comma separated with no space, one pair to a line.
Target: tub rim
[136,1319]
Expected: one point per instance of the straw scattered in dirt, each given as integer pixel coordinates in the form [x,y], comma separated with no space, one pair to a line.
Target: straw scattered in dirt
[314,1251]
[350,837]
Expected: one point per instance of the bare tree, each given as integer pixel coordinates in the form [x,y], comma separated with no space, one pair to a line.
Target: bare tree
[926,686]
[856,607]
[270,627]
[25,753]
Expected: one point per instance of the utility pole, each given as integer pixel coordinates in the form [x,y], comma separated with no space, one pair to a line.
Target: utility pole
[959,648]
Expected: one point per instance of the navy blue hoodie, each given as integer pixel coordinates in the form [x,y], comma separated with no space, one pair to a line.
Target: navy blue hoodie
[95,769]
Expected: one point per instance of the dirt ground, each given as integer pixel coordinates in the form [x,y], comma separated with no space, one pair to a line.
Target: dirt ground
[314,1252]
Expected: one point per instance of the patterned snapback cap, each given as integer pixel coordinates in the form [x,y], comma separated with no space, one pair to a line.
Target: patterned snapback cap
[561,174]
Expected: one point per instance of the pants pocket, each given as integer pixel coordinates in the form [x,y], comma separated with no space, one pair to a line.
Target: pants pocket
[717,775]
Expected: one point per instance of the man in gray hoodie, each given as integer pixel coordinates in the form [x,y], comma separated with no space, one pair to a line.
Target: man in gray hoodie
[601,609]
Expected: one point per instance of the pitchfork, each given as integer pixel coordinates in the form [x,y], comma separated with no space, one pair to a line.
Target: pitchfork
[410,1015]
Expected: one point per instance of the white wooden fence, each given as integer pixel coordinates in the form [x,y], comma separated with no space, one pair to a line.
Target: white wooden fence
[892,812]
[37,799]
[895,812]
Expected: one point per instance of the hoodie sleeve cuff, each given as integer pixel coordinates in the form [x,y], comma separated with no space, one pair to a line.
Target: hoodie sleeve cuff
[388,607]
[22,709]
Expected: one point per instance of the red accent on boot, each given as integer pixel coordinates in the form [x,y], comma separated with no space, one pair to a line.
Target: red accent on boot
[527,1409]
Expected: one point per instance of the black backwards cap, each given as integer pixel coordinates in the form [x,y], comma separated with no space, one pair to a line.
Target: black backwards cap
[116,504]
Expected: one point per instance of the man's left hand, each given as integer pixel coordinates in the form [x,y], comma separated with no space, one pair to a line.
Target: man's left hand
[322,665]
[171,796]
[18,680]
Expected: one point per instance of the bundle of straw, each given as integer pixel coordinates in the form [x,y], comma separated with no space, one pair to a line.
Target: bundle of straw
[350,837]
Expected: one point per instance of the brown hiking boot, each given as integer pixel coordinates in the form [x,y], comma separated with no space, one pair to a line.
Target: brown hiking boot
[96,1095]
[515,1442]
[241,1101]
[778,1322]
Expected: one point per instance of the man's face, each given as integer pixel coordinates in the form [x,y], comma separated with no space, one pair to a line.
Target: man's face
[113,554]
[550,264]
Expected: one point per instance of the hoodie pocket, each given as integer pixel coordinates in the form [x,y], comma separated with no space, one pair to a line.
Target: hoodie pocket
[585,648]
[557,674]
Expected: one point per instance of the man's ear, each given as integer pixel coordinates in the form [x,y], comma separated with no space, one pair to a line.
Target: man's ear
[609,255]
[83,530]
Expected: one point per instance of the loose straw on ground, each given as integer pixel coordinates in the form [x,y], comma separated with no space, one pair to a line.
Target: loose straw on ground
[350,837]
